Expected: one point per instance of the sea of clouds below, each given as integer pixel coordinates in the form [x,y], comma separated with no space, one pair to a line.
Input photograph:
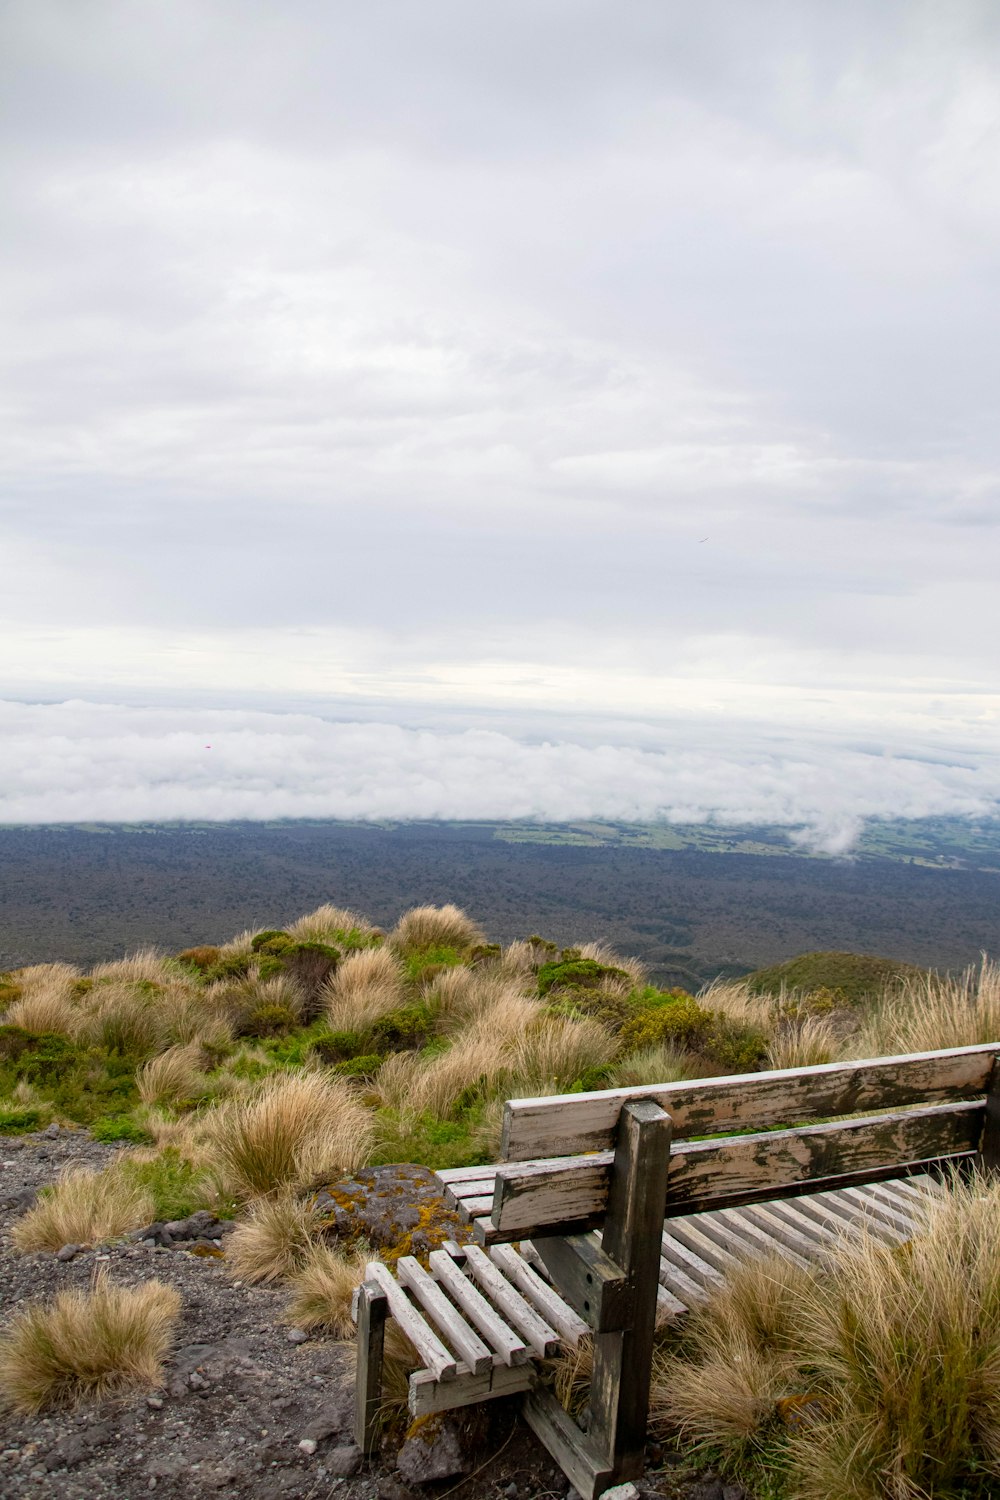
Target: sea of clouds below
[96,762]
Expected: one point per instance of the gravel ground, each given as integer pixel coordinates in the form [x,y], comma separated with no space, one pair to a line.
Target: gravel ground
[240,1396]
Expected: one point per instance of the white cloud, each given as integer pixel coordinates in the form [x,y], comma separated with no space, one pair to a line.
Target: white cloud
[85,762]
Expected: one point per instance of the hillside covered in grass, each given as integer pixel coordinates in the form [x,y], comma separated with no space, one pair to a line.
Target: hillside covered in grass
[426,1029]
[241,1080]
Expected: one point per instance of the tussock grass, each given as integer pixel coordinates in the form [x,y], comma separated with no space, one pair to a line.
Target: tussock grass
[664,1063]
[518,961]
[146,965]
[366,985]
[122,1020]
[461,996]
[424,927]
[35,976]
[240,946]
[804,1043]
[412,1085]
[294,1129]
[328,923]
[931,1012]
[741,1356]
[84,1208]
[556,1050]
[44,1008]
[173,1077]
[603,954]
[188,1015]
[734,999]
[87,1345]
[272,1241]
[251,1005]
[323,1286]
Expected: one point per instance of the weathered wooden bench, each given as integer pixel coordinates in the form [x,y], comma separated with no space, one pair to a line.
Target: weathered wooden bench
[610,1208]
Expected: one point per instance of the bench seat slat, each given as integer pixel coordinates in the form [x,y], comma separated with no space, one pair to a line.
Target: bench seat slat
[587,1122]
[540,1337]
[510,1349]
[574,1190]
[546,1301]
[456,1330]
[439,1361]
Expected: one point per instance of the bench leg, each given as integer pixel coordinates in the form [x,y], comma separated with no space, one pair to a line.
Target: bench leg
[633,1229]
[373,1305]
[989,1145]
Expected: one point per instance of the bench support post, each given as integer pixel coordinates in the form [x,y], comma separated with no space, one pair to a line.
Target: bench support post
[372,1308]
[989,1145]
[633,1229]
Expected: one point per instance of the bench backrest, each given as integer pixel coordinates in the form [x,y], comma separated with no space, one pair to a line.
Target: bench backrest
[937,1103]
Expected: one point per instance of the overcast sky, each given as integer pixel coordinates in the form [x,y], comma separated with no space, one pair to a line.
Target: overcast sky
[575,371]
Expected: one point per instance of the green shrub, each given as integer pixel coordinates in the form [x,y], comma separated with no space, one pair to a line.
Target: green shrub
[16,1121]
[111,1128]
[270,1019]
[364,1067]
[338,1046]
[428,1141]
[576,974]
[271,940]
[667,1018]
[404,1028]
[176,1185]
[82,1083]
[424,963]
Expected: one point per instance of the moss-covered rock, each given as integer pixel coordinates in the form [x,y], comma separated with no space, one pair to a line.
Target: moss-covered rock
[397,1210]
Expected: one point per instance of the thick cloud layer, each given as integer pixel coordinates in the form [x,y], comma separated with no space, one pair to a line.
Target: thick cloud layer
[503,352]
[103,762]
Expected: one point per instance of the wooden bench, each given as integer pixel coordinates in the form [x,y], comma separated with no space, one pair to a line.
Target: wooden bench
[629,1203]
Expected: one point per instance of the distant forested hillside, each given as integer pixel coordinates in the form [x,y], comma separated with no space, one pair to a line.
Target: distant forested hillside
[87,894]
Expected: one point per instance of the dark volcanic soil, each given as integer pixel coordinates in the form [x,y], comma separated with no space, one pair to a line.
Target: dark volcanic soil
[239,1395]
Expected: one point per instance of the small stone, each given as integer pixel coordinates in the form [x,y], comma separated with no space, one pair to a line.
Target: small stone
[196,1382]
[296,1335]
[344,1461]
[67,1252]
[51,1131]
[155,1403]
[511,1491]
[436,1453]
[308,1446]
[621,1492]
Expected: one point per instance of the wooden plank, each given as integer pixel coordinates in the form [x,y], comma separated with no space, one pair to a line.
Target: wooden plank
[820,1237]
[591,1282]
[693,1234]
[565,1191]
[439,1360]
[817,1208]
[587,1470]
[873,1209]
[989,1144]
[542,1339]
[668,1305]
[510,1348]
[427,1395]
[460,1336]
[691,1265]
[910,1211]
[681,1285]
[620,1379]
[569,1325]
[586,1122]
[370,1313]
[469,1209]
[788,1236]
[755,1241]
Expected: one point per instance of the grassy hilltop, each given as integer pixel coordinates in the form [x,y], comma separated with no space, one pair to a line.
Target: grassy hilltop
[240,1078]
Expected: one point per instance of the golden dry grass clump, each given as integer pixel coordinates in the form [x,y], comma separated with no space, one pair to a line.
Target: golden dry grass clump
[44,1008]
[87,1344]
[424,927]
[932,1012]
[891,1352]
[146,966]
[323,1287]
[84,1208]
[174,1077]
[366,985]
[666,1062]
[292,1130]
[601,953]
[804,1042]
[122,1019]
[328,923]
[271,1240]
